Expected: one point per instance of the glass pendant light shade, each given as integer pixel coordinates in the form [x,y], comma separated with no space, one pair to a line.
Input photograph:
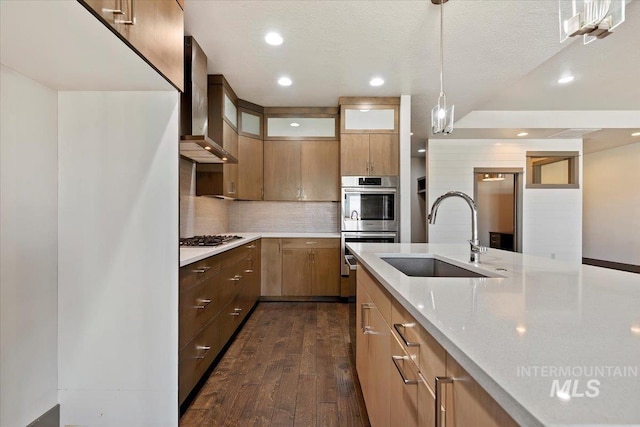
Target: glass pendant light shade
[442,119]
[592,19]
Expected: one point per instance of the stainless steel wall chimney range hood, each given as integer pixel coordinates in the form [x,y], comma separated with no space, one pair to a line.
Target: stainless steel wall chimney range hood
[195,143]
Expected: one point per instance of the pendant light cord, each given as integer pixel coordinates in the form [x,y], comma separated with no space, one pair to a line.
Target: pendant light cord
[442,48]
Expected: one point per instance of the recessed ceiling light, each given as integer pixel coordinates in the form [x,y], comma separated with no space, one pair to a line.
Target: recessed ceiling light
[364,111]
[294,124]
[422,150]
[635,134]
[376,81]
[284,81]
[523,134]
[565,79]
[274,39]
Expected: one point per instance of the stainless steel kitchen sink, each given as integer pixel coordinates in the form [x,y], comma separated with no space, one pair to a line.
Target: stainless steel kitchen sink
[428,267]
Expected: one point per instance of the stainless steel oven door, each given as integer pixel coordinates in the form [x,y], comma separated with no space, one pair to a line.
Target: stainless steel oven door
[369,209]
[362,237]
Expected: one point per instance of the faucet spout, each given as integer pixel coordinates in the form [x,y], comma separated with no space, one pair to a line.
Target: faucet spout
[476,249]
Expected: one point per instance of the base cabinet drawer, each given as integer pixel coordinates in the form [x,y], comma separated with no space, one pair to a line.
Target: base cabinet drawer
[196,357]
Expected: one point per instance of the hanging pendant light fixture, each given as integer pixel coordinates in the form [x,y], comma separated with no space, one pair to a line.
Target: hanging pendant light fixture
[592,19]
[441,116]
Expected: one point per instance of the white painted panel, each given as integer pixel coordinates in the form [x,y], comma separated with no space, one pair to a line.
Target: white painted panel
[308,126]
[552,219]
[118,258]
[28,249]
[612,205]
[405,168]
[378,119]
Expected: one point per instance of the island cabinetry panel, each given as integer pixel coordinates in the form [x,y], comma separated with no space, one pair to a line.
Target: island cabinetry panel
[409,365]
[373,354]
[216,294]
[154,29]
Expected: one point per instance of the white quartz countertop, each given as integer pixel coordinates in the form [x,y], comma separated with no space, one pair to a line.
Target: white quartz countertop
[190,254]
[542,324]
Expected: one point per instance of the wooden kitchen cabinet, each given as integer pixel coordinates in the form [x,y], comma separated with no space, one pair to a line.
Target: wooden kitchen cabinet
[320,171]
[271,273]
[282,170]
[369,154]
[250,168]
[310,267]
[373,355]
[301,170]
[421,359]
[216,295]
[154,29]
[466,403]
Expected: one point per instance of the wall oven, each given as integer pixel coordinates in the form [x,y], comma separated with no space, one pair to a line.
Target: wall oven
[361,237]
[369,203]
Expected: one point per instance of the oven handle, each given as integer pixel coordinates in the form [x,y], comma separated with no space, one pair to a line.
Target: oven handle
[347,235]
[350,260]
[385,190]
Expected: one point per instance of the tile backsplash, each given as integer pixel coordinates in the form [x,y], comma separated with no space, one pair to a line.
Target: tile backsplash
[209,215]
[296,217]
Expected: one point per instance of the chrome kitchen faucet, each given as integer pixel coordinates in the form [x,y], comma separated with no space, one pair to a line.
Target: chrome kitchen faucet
[476,249]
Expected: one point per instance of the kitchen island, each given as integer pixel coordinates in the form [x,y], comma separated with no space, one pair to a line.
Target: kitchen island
[553,343]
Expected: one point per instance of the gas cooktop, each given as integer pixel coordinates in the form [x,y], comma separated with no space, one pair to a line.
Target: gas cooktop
[208,240]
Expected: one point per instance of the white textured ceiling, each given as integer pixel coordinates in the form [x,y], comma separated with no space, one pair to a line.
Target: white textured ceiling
[499,54]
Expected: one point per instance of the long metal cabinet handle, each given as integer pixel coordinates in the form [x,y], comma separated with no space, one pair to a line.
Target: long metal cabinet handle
[363,307]
[205,349]
[405,380]
[117,10]
[132,20]
[203,303]
[408,343]
[439,382]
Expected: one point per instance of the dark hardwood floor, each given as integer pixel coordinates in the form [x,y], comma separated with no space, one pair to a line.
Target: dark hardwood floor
[289,365]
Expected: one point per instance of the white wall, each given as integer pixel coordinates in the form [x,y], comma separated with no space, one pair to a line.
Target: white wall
[28,249]
[405,169]
[118,258]
[418,208]
[552,218]
[612,205]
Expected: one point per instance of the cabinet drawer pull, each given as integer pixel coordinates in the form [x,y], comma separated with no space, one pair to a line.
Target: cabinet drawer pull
[235,313]
[236,278]
[248,271]
[408,343]
[237,309]
[439,382]
[132,12]
[203,348]
[405,380]
[311,243]
[203,303]
[201,270]
[251,247]
[363,307]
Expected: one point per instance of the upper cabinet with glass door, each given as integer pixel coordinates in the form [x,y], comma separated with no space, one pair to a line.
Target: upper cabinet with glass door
[250,118]
[223,113]
[319,123]
[369,115]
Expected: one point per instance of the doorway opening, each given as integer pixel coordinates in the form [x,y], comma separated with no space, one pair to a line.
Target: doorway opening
[498,195]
